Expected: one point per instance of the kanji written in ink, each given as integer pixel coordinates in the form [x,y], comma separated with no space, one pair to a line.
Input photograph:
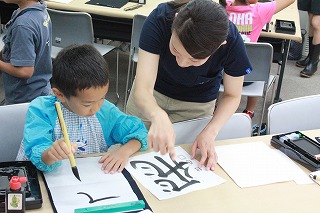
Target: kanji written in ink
[164,175]
[91,200]
[167,178]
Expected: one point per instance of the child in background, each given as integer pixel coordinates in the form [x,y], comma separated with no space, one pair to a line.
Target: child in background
[310,63]
[80,81]
[25,59]
[250,16]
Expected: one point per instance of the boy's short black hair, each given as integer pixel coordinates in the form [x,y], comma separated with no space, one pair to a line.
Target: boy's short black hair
[79,67]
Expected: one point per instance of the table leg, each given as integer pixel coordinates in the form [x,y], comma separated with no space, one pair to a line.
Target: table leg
[282,68]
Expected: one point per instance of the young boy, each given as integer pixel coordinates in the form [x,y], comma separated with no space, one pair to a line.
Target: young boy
[80,81]
[25,59]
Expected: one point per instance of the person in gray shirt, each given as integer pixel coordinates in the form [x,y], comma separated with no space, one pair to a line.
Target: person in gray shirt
[25,60]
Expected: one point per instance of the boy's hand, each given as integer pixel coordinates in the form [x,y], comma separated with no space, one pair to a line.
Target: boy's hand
[58,151]
[114,162]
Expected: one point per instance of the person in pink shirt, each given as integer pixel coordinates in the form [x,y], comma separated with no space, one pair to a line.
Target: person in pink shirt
[250,16]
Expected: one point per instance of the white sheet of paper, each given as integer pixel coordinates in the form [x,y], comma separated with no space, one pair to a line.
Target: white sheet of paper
[255,164]
[64,186]
[162,177]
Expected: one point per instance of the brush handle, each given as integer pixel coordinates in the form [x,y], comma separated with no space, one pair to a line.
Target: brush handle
[65,133]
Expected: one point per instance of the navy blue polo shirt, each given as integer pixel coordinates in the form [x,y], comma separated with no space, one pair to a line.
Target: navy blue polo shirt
[194,84]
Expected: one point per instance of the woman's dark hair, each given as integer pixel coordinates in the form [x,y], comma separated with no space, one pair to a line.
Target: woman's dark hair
[244,2]
[223,3]
[177,3]
[79,67]
[201,26]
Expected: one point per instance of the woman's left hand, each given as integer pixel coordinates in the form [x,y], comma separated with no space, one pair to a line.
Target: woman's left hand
[204,142]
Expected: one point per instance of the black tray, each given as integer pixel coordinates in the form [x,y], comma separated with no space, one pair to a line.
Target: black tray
[32,187]
[303,150]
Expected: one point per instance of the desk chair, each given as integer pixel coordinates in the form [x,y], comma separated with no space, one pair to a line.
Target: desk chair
[278,49]
[138,21]
[76,28]
[260,56]
[238,126]
[1,35]
[1,42]
[296,114]
[280,56]
[11,130]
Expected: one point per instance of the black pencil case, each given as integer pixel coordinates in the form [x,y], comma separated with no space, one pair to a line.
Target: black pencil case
[284,26]
[300,148]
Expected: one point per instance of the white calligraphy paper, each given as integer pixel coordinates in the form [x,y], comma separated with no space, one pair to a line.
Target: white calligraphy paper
[68,193]
[166,179]
[255,164]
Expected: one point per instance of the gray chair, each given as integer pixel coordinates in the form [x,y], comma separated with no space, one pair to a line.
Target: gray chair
[1,35]
[11,130]
[238,126]
[1,42]
[76,28]
[138,21]
[260,56]
[296,114]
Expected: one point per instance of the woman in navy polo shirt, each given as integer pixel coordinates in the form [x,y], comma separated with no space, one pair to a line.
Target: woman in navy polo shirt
[185,48]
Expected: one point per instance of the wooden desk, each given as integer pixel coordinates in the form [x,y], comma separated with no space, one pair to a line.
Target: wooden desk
[228,197]
[80,5]
[290,13]
[109,23]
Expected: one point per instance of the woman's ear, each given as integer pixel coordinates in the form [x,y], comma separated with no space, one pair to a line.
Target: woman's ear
[58,94]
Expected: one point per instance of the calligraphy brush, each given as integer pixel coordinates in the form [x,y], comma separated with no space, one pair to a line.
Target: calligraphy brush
[66,139]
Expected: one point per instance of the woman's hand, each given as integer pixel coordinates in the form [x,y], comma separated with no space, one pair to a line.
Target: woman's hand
[204,142]
[161,136]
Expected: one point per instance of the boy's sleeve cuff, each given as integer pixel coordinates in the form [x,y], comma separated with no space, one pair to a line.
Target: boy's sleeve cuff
[36,159]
